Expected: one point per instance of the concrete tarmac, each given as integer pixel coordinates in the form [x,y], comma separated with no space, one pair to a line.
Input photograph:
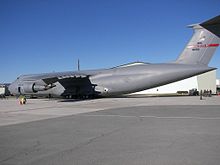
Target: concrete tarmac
[142,131]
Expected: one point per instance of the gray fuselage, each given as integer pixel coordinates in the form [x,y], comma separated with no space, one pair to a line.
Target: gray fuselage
[108,82]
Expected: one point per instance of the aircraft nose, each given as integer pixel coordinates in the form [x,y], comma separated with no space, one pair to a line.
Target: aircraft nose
[11,88]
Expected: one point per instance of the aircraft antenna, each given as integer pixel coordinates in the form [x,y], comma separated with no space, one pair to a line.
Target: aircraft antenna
[78,65]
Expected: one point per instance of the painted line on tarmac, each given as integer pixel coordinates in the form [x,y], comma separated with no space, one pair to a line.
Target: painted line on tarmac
[156,117]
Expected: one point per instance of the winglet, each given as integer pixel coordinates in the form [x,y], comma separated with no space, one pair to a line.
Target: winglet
[212,25]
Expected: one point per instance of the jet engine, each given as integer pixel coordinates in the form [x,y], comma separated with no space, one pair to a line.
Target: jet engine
[34,88]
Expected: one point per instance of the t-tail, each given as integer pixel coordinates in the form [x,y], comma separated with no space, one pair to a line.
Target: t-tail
[202,46]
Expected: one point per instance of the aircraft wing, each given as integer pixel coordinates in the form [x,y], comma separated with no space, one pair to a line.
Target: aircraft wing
[74,84]
[63,77]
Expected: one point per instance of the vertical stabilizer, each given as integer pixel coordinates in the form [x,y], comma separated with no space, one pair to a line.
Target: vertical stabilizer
[203,43]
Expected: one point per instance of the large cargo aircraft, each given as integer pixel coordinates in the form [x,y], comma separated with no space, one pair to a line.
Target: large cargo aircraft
[127,78]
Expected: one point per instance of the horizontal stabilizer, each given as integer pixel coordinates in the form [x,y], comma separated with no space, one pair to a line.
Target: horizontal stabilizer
[212,25]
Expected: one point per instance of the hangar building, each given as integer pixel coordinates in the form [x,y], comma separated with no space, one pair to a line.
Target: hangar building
[206,81]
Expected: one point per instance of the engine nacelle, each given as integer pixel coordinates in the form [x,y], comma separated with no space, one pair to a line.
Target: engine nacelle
[34,88]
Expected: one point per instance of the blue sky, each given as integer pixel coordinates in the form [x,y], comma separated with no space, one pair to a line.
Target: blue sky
[50,35]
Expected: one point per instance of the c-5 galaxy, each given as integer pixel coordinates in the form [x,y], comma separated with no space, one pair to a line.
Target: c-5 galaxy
[128,78]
